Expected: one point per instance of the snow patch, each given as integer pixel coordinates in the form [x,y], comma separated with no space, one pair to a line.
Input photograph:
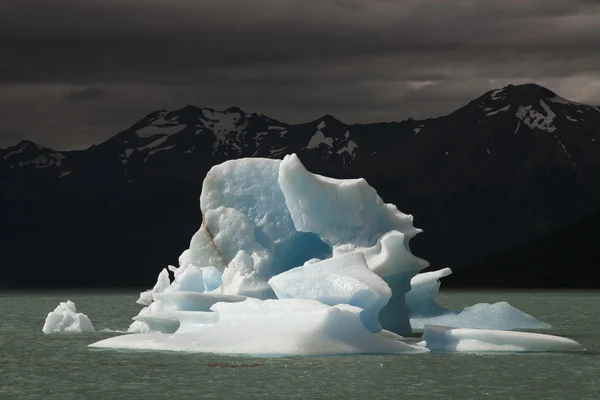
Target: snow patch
[275,152]
[43,161]
[497,94]
[418,129]
[154,144]
[503,109]
[322,125]
[259,136]
[535,119]
[561,100]
[226,127]
[64,174]
[318,139]
[348,148]
[161,149]
[16,151]
[152,130]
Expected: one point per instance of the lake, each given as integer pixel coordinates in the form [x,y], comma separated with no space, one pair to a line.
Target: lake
[38,366]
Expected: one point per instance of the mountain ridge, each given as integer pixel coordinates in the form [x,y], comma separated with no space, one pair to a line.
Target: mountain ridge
[508,167]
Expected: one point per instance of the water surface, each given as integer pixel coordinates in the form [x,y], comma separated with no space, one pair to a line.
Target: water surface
[38,366]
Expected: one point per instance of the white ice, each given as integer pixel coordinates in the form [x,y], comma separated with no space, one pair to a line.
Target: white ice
[272,328]
[339,280]
[289,262]
[499,315]
[349,216]
[424,310]
[424,289]
[65,318]
[444,338]
[161,284]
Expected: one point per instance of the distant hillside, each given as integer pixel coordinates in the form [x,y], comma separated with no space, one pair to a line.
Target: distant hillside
[569,258]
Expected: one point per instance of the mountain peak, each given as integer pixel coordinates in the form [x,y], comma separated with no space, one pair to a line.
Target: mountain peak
[234,110]
[530,89]
[25,142]
[528,92]
[330,118]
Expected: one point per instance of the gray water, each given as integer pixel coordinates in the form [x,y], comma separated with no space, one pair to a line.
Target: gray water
[38,366]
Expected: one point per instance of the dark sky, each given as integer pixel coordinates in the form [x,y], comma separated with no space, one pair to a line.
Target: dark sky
[75,72]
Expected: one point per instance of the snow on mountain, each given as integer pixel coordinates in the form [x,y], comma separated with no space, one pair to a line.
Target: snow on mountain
[537,120]
[155,129]
[26,154]
[318,139]
[228,128]
[494,112]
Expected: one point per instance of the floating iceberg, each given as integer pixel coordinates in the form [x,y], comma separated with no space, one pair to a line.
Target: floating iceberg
[444,338]
[287,262]
[424,310]
[65,318]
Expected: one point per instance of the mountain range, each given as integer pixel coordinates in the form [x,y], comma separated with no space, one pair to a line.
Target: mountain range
[508,168]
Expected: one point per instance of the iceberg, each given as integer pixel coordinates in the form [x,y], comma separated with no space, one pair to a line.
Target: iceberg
[444,338]
[287,262]
[65,318]
[424,310]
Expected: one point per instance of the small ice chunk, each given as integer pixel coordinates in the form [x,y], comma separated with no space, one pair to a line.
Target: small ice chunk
[65,318]
[162,283]
[444,338]
[424,310]
[499,315]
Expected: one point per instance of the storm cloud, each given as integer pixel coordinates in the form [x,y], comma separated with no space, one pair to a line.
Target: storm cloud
[74,73]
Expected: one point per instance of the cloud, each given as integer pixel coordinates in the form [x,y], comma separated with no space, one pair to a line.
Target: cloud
[360,60]
[88,93]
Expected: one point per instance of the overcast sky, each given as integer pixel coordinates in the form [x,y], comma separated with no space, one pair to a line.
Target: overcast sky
[75,72]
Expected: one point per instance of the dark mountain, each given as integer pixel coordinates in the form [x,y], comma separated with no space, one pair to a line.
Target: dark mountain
[507,168]
[568,258]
